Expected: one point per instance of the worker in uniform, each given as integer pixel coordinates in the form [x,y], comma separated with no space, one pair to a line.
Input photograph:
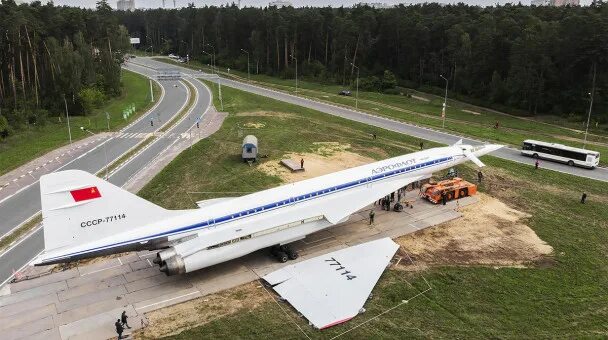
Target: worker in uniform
[123,319]
[371,216]
[444,198]
[536,164]
[302,163]
[119,328]
[583,198]
[479,176]
[421,145]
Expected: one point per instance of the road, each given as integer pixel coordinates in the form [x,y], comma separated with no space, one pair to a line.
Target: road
[508,153]
[26,203]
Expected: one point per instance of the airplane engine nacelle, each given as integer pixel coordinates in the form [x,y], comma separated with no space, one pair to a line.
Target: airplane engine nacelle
[173,266]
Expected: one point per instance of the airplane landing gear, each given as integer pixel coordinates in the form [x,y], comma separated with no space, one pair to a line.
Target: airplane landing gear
[283,253]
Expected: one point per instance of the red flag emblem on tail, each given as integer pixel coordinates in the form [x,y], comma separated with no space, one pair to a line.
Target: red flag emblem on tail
[85,194]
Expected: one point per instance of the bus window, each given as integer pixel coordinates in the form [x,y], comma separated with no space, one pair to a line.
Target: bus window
[528,146]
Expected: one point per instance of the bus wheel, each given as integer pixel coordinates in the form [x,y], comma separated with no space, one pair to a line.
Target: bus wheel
[535,155]
[571,163]
[462,193]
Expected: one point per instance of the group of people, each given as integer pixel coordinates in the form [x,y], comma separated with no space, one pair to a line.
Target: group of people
[121,323]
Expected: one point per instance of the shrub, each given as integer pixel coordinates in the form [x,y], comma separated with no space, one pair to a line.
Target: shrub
[91,98]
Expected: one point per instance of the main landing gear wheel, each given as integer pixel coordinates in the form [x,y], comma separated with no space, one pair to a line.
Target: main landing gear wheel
[283,253]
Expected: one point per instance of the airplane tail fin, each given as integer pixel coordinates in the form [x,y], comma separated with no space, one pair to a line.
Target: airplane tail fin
[79,207]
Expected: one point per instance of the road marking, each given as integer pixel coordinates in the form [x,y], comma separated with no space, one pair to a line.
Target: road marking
[20,269]
[167,300]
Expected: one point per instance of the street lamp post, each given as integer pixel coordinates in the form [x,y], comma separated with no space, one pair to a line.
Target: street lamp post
[213,63]
[588,117]
[296,59]
[357,93]
[105,151]
[212,67]
[248,77]
[67,116]
[445,101]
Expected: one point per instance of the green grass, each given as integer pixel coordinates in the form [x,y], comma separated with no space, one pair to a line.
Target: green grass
[513,129]
[561,297]
[33,142]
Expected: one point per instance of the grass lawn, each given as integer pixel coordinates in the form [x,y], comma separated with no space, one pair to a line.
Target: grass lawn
[462,118]
[26,145]
[563,296]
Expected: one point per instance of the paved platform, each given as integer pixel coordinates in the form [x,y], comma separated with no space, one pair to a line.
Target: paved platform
[83,302]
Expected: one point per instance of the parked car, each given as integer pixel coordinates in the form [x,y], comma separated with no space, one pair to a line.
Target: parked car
[344,93]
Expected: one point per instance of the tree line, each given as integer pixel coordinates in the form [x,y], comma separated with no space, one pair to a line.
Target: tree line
[539,60]
[56,58]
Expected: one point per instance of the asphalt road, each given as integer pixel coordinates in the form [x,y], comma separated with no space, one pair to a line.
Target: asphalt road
[26,203]
[508,153]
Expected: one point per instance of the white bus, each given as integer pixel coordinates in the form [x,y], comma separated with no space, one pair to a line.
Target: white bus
[561,153]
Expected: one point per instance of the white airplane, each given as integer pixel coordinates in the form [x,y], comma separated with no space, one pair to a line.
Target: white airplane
[85,216]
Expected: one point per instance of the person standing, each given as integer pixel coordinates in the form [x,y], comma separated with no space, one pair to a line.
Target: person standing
[119,328]
[421,145]
[151,121]
[302,163]
[123,319]
[372,214]
[444,198]
[536,164]
[583,198]
[479,176]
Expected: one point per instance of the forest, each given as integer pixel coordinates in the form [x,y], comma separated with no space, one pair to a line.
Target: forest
[534,60]
[54,59]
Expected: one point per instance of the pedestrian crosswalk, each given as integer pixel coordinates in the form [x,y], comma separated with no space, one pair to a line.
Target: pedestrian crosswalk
[143,135]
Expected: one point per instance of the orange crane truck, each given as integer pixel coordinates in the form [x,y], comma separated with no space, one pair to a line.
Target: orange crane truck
[453,188]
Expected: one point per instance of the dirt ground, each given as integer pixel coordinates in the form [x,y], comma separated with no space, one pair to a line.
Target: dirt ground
[174,319]
[327,158]
[266,114]
[490,233]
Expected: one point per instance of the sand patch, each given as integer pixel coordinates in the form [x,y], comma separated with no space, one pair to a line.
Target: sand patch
[266,114]
[327,158]
[471,112]
[177,318]
[490,233]
[252,125]
[421,98]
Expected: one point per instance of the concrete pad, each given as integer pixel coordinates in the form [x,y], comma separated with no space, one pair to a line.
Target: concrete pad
[30,328]
[99,266]
[24,318]
[98,276]
[44,280]
[103,332]
[141,264]
[91,287]
[156,291]
[129,258]
[112,293]
[28,305]
[224,282]
[151,281]
[88,310]
[99,326]
[49,334]
[167,300]
[142,274]
[32,293]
